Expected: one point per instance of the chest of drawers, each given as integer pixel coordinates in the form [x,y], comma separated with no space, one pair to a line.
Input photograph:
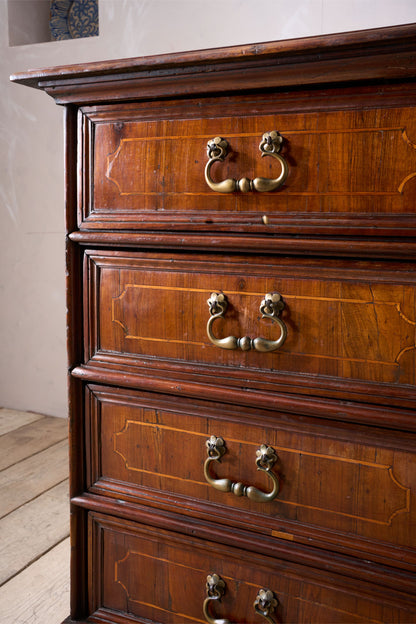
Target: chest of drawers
[242,332]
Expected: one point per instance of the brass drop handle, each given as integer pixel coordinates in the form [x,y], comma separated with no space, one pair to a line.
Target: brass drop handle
[270,145]
[270,307]
[215,589]
[264,604]
[266,458]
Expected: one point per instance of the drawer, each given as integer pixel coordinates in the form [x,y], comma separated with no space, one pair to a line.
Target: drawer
[140,574]
[345,321]
[343,488]
[349,171]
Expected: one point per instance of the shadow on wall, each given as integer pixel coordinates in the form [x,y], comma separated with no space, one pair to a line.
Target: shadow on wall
[40,21]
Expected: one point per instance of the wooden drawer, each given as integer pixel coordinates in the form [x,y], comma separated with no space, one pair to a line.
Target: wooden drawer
[347,321]
[343,487]
[140,574]
[144,166]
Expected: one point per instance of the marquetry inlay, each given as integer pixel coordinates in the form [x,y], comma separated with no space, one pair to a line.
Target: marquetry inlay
[410,175]
[389,334]
[389,499]
[242,332]
[141,594]
[311,147]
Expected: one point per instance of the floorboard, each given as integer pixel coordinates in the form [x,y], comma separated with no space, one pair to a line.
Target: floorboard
[34,519]
[27,533]
[39,594]
[12,419]
[27,479]
[30,439]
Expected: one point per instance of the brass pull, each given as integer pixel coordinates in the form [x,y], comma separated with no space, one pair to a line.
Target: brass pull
[264,604]
[270,145]
[270,307]
[215,588]
[266,459]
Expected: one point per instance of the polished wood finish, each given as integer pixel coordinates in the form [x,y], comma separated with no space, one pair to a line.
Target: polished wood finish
[147,244]
[139,308]
[371,508]
[365,164]
[311,61]
[160,576]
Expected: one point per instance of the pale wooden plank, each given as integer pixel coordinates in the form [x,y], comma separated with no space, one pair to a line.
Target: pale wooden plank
[40,594]
[12,419]
[24,481]
[30,439]
[31,530]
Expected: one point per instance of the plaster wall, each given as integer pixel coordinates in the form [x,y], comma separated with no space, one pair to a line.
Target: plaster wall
[32,271]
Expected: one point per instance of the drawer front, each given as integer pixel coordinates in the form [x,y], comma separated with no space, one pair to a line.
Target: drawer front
[158,576]
[344,320]
[343,487]
[145,166]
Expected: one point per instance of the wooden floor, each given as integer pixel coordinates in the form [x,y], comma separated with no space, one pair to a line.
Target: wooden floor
[34,519]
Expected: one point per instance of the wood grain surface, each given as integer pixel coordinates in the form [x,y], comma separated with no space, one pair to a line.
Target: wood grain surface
[148,242]
[131,557]
[353,486]
[350,171]
[346,320]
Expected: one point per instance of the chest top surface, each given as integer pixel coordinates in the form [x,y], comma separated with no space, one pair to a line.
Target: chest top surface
[390,55]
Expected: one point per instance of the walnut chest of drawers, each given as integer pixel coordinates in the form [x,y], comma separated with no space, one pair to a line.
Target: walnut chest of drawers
[242,332]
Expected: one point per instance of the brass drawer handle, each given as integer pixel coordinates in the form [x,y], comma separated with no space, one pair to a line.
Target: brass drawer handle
[264,604]
[215,589]
[270,145]
[265,460]
[270,307]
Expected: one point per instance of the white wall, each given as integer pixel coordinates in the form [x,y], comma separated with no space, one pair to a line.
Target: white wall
[32,273]
[28,21]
